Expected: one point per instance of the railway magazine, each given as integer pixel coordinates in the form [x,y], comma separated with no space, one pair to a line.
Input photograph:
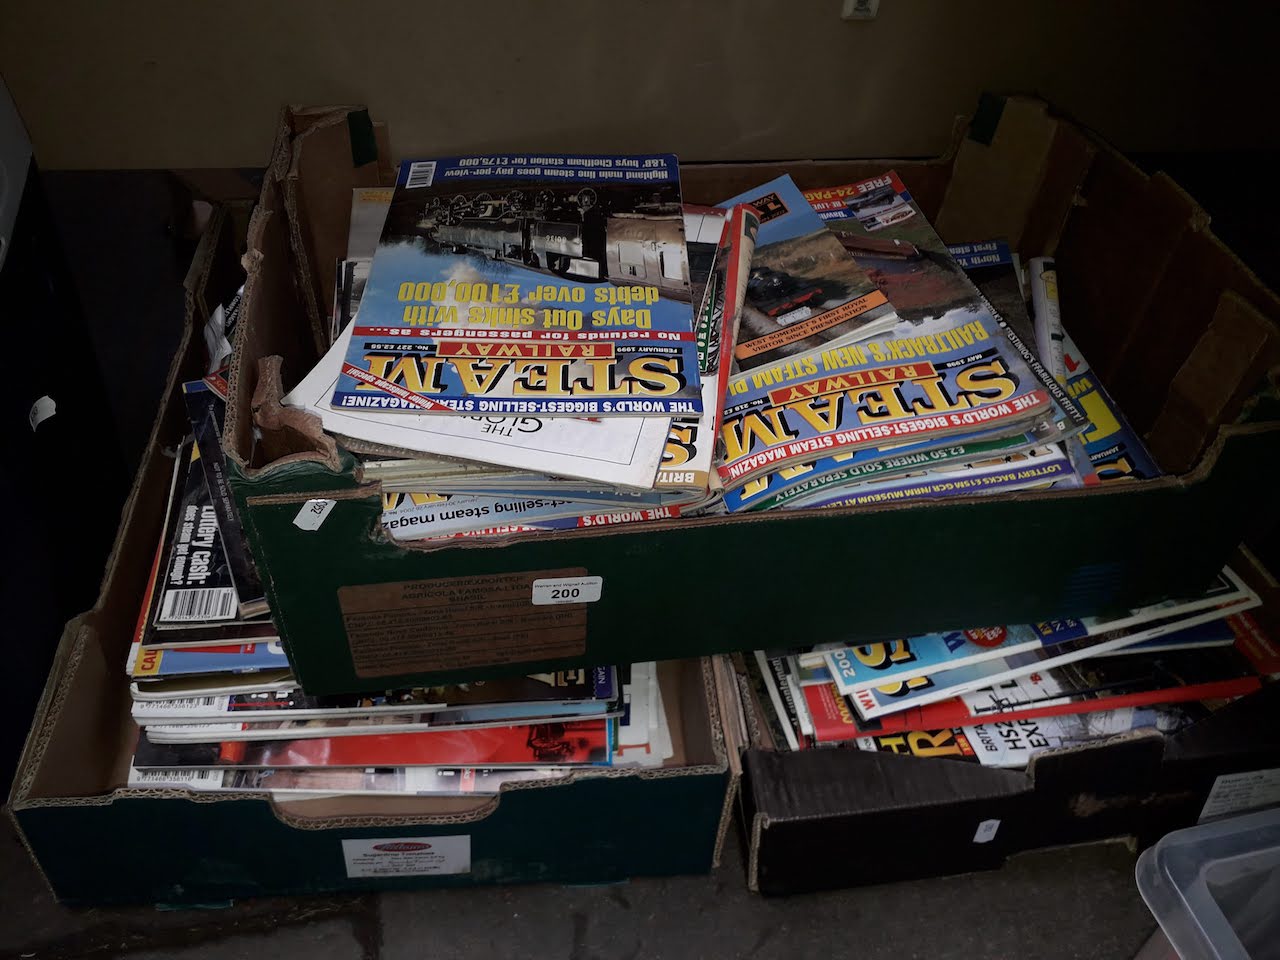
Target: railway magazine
[542,285]
[803,291]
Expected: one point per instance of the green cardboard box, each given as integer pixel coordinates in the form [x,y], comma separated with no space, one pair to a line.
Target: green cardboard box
[97,841]
[1182,333]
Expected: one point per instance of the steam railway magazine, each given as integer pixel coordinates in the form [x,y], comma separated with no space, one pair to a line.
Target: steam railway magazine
[886,233]
[625,451]
[408,516]
[1035,468]
[931,382]
[804,291]
[528,285]
[691,446]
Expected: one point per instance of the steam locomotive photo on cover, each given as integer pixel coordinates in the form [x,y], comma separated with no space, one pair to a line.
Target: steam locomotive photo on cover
[547,285]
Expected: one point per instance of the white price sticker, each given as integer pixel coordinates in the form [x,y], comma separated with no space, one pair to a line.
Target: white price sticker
[1235,792]
[407,856]
[312,514]
[41,410]
[986,831]
[566,590]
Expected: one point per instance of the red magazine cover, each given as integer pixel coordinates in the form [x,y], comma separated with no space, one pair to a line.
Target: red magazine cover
[526,745]
[833,721]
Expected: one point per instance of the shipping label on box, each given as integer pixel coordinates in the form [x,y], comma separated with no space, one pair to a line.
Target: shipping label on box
[407,856]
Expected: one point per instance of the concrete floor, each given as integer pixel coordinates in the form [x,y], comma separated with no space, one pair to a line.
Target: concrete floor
[1078,902]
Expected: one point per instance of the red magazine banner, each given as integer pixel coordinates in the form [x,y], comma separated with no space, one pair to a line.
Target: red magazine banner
[524,745]
[956,713]
[833,721]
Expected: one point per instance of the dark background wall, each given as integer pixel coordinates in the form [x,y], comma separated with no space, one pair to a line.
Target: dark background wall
[156,84]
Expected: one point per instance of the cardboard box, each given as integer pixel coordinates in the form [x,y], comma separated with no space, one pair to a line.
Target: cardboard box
[1182,332]
[99,842]
[841,817]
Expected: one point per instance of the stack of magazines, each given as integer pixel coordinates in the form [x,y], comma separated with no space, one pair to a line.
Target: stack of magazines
[999,695]
[525,344]
[234,719]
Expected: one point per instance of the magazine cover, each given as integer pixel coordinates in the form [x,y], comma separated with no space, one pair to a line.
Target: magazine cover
[1226,594]
[196,585]
[286,725]
[214,685]
[997,273]
[528,285]
[580,683]
[224,634]
[270,705]
[687,460]
[407,781]
[771,674]
[934,381]
[804,290]
[870,664]
[1114,450]
[527,745]
[206,411]
[149,662]
[883,229]
[703,230]
[1099,683]
[411,704]
[1012,743]
[801,481]
[1034,468]
[624,451]
[415,516]
[921,690]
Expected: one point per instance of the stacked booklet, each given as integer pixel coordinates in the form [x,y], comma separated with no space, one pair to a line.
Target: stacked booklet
[525,344]
[1000,695]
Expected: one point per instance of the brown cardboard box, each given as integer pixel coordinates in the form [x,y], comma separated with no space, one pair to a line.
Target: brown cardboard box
[97,841]
[1183,331]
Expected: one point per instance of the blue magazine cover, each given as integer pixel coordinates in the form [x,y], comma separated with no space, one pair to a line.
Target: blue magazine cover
[542,285]
[921,690]
[871,664]
[152,663]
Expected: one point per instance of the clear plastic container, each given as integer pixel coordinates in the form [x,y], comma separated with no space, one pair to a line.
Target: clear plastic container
[1215,888]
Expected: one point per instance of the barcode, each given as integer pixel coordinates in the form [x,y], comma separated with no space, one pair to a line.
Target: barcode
[179,704]
[420,174]
[179,778]
[201,603]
